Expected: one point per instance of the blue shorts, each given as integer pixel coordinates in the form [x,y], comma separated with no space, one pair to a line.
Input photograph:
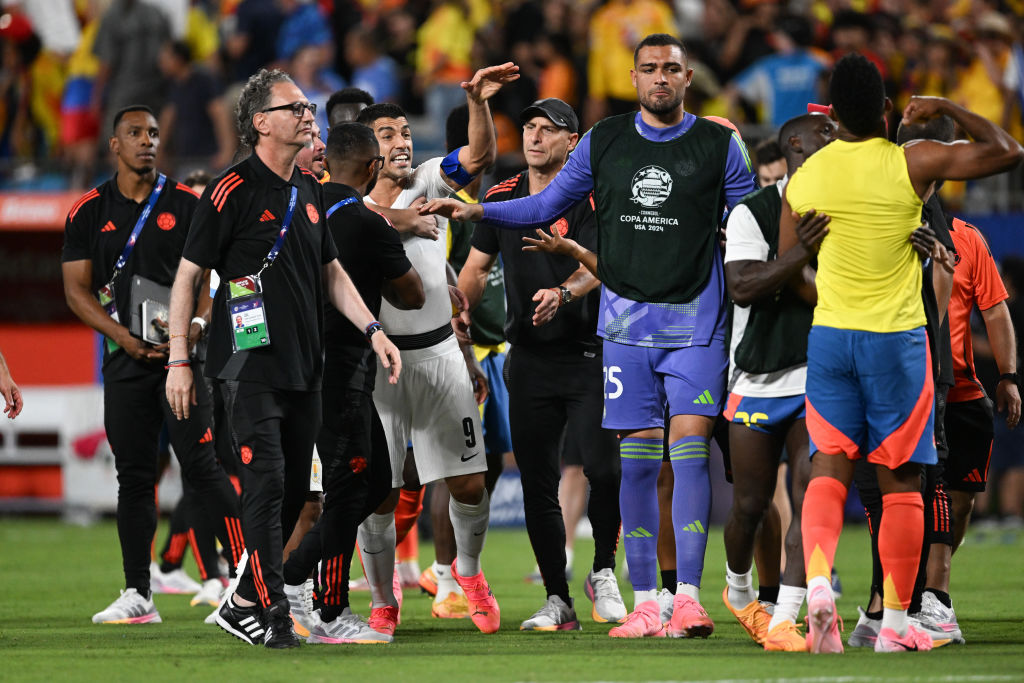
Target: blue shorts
[497,433]
[640,380]
[871,394]
[772,415]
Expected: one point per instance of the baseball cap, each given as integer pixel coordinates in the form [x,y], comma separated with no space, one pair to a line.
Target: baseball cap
[554,109]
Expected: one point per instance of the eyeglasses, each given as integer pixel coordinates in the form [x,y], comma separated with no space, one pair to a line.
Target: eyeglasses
[379,159]
[296,108]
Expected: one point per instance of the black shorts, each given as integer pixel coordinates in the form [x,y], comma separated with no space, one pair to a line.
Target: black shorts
[969,435]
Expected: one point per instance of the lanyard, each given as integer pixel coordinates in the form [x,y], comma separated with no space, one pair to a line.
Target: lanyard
[153,196]
[343,202]
[285,224]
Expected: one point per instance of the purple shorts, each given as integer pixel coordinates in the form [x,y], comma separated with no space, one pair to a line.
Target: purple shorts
[641,381]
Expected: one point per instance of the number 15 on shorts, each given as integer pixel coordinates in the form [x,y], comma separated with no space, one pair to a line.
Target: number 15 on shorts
[612,383]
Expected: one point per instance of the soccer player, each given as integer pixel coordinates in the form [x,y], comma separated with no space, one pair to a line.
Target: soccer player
[554,371]
[261,225]
[661,179]
[434,405]
[869,384]
[768,371]
[135,225]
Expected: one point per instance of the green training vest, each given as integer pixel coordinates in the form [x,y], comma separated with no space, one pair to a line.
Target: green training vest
[658,208]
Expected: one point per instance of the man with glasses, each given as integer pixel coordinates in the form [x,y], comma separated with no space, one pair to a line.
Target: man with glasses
[262,226]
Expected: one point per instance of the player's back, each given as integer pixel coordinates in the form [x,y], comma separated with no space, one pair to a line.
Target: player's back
[869,276]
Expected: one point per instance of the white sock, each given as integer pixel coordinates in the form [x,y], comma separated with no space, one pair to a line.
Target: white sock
[446,583]
[470,525]
[741,588]
[689,590]
[376,537]
[787,608]
[640,597]
[568,559]
[896,619]
[822,581]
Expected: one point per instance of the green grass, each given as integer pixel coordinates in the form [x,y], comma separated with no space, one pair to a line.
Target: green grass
[53,577]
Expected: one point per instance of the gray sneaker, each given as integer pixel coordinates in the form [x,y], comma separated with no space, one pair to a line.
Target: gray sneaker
[347,628]
[603,590]
[865,633]
[666,600]
[555,615]
[938,620]
[300,604]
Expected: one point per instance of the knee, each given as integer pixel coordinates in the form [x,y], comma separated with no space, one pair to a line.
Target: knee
[749,509]
[467,488]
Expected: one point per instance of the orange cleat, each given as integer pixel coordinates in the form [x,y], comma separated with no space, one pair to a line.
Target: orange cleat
[428,581]
[753,618]
[785,637]
[384,620]
[643,622]
[689,620]
[454,606]
[483,608]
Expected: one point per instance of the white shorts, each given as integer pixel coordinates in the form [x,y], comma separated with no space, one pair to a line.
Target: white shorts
[316,474]
[433,406]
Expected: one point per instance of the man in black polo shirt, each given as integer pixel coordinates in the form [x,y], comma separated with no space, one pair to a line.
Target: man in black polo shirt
[135,224]
[351,443]
[261,226]
[553,371]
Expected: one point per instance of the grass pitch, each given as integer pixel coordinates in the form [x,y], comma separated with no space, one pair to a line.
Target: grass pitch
[53,577]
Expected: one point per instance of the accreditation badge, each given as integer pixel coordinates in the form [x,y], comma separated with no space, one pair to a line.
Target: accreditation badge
[247,314]
[106,297]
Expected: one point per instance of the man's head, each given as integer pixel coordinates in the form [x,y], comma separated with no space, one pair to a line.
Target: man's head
[858,96]
[361,46]
[803,135]
[175,57]
[353,155]
[390,125]
[273,111]
[550,131]
[660,73]
[770,163]
[311,157]
[345,105]
[941,128]
[135,139]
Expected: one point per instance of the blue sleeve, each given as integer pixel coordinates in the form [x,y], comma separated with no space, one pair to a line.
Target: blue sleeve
[739,172]
[573,183]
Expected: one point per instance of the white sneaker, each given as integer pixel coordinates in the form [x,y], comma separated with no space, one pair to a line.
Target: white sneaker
[865,633]
[555,615]
[300,602]
[347,628]
[173,582]
[603,590]
[209,594]
[130,608]
[938,620]
[666,601]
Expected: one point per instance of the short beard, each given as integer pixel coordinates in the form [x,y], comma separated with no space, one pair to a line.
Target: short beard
[662,107]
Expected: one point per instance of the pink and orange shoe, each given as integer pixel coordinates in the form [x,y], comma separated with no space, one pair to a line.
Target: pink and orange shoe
[452,607]
[396,588]
[483,608]
[428,581]
[785,637]
[753,618]
[384,620]
[915,640]
[822,621]
[642,622]
[689,620]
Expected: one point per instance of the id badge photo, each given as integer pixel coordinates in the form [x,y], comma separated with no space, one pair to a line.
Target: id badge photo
[247,314]
[106,297]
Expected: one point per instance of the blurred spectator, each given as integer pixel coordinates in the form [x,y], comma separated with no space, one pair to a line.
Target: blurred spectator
[346,104]
[19,48]
[852,32]
[749,36]
[79,125]
[982,85]
[400,31]
[251,41]
[615,29]
[196,122]
[770,163]
[372,71]
[308,68]
[305,24]
[201,32]
[557,77]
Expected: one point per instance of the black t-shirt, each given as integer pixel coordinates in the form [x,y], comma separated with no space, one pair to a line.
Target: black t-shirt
[370,250]
[191,99]
[526,272]
[236,223]
[941,348]
[97,229]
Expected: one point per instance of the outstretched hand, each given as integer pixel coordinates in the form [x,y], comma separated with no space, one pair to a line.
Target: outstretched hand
[453,209]
[550,243]
[488,81]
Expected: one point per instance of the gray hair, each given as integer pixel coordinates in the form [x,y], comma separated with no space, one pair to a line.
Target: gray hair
[255,97]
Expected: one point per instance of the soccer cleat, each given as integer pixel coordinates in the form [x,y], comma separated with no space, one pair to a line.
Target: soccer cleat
[938,620]
[409,574]
[174,582]
[280,635]
[555,615]
[689,620]
[428,581]
[358,585]
[210,593]
[483,607]
[785,637]
[666,599]
[129,608]
[300,606]
[244,623]
[642,622]
[753,618]
[346,628]
[603,590]
[455,606]
[396,588]
[384,620]
[822,621]
[865,633]
[915,640]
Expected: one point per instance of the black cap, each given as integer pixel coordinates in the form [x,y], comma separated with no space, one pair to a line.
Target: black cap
[554,109]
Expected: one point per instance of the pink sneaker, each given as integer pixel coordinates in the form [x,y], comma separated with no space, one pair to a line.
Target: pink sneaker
[483,608]
[822,622]
[396,588]
[643,622]
[915,640]
[689,620]
[384,620]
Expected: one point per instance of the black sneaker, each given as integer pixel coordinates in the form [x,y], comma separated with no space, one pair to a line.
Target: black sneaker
[244,623]
[280,634]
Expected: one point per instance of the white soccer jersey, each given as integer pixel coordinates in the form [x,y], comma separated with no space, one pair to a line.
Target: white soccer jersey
[427,256]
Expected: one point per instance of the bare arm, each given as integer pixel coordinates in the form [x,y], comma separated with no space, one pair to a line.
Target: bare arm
[554,243]
[579,283]
[410,220]
[180,385]
[224,131]
[1004,348]
[482,149]
[406,291]
[13,402]
[473,276]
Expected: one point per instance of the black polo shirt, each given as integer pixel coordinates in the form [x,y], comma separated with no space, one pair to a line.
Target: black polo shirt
[370,251]
[237,221]
[97,228]
[526,272]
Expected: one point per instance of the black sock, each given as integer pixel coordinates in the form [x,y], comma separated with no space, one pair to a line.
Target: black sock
[874,615]
[668,580]
[768,594]
[942,596]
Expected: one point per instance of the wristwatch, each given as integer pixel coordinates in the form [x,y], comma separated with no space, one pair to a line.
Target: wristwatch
[1012,376]
[564,295]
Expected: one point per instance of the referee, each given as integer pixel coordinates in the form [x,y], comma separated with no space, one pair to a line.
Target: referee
[553,371]
[136,224]
[260,225]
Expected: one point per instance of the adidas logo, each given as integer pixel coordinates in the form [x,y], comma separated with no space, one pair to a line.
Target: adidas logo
[207,437]
[267,216]
[252,628]
[639,532]
[109,227]
[695,527]
[704,399]
[974,476]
